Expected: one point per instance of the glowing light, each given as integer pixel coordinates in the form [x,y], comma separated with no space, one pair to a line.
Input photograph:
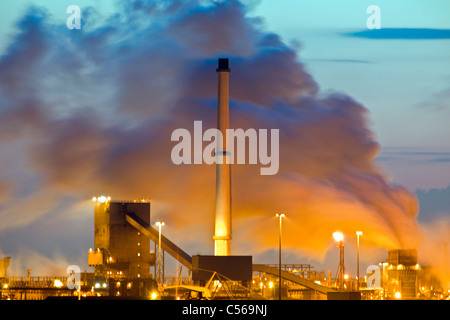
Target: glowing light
[154,295]
[280,215]
[102,199]
[398,295]
[94,199]
[58,283]
[220,230]
[400,267]
[159,223]
[346,276]
[359,233]
[97,285]
[270,284]
[217,284]
[338,236]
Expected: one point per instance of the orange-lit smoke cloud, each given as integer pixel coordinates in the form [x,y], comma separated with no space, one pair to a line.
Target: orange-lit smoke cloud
[98,119]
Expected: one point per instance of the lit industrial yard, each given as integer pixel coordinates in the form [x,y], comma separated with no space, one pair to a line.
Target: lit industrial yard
[129,258]
[129,254]
[243,159]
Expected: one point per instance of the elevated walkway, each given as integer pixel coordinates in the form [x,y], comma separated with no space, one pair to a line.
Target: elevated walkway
[166,244]
[293,278]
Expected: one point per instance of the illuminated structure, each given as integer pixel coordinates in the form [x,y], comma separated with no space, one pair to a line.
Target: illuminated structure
[339,237]
[120,250]
[280,216]
[358,233]
[4,264]
[160,274]
[402,274]
[222,232]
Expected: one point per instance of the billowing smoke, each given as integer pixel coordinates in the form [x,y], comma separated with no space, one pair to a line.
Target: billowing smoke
[433,251]
[91,111]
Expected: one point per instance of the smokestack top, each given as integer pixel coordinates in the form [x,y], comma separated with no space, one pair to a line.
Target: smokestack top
[223,65]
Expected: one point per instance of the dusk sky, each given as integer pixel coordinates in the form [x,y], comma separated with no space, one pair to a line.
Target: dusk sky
[363,118]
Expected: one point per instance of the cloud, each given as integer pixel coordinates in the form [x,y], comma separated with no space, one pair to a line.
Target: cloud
[341,60]
[434,249]
[401,34]
[104,126]
[434,203]
[415,156]
[38,264]
[437,102]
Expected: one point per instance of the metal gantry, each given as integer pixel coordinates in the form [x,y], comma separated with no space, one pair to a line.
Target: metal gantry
[159,268]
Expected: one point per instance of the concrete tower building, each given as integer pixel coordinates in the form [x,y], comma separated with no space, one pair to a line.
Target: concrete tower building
[222,232]
[120,250]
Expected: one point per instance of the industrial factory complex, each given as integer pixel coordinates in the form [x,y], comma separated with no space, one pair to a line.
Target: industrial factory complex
[129,253]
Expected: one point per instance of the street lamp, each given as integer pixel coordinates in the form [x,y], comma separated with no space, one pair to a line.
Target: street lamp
[279,250]
[358,233]
[159,224]
[339,237]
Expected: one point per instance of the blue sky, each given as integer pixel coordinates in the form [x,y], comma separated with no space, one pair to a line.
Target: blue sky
[404,82]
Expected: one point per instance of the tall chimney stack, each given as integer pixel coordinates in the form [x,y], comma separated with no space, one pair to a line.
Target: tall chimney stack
[222,232]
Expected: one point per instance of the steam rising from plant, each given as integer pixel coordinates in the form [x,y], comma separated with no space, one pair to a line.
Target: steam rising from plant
[93,111]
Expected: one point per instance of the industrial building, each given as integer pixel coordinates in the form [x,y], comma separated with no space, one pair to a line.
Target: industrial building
[119,249]
[128,257]
[402,273]
[121,256]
